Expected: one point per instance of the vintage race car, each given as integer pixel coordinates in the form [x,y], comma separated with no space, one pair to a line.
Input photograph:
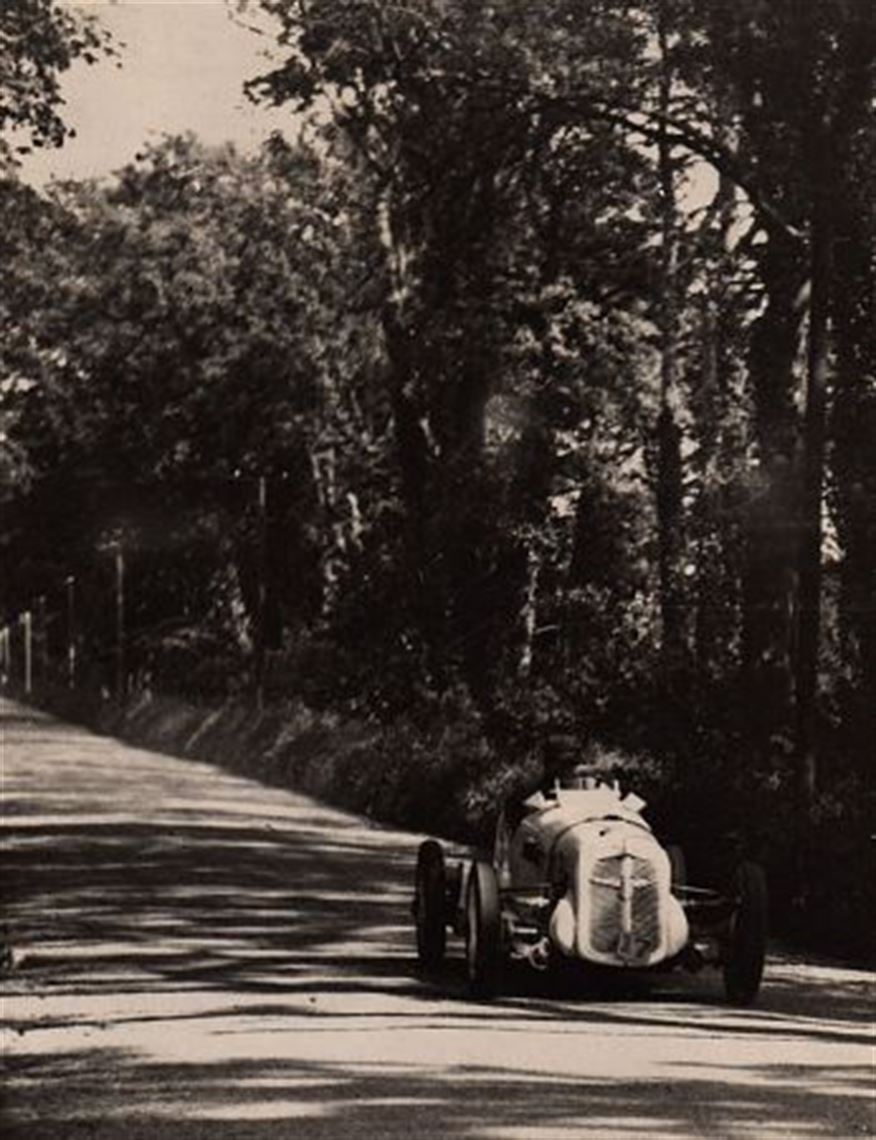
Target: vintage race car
[578,875]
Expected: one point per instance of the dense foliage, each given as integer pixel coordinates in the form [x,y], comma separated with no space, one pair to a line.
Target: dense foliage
[39,40]
[532,391]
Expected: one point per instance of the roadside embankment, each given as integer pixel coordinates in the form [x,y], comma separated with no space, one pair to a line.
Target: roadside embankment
[438,774]
[396,774]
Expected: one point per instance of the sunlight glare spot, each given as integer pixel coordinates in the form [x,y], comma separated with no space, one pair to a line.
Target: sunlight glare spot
[263,1110]
[48,952]
[630,1127]
[287,1082]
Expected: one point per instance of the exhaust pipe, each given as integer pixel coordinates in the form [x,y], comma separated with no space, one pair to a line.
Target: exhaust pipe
[538,954]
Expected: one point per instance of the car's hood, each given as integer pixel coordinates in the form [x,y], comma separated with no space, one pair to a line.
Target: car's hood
[571,806]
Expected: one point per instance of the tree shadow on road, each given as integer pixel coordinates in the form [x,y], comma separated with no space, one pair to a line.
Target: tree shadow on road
[233,907]
[288,905]
[274,937]
[325,1100]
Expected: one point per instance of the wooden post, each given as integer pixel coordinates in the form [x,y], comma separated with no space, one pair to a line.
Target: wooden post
[42,640]
[120,622]
[70,583]
[27,622]
[262,595]
[5,656]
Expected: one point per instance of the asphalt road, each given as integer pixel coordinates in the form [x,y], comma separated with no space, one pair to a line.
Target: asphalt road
[192,955]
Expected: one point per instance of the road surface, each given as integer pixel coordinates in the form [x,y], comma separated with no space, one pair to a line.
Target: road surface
[193,955]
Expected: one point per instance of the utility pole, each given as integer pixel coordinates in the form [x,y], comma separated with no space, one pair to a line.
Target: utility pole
[262,590]
[70,583]
[42,640]
[27,622]
[5,655]
[120,620]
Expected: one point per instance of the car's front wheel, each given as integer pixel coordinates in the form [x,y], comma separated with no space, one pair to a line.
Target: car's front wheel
[746,947]
[482,930]
[677,867]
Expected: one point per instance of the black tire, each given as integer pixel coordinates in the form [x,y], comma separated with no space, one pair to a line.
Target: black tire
[677,866]
[482,930]
[746,946]
[430,905]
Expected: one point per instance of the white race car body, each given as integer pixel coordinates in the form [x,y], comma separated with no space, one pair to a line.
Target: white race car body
[577,875]
[608,879]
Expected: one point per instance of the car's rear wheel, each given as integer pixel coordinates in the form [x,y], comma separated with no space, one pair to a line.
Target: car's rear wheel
[482,930]
[430,904]
[746,947]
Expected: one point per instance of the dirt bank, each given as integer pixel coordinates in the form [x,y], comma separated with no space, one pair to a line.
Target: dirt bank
[390,774]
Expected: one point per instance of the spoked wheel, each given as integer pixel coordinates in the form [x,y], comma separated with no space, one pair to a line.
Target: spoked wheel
[677,866]
[746,947]
[482,930]
[430,905]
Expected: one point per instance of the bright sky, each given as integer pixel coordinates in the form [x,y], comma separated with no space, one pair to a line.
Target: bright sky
[184,63]
[183,66]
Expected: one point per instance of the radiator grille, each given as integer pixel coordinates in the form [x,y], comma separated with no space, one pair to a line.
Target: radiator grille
[606,924]
[605,905]
[646,908]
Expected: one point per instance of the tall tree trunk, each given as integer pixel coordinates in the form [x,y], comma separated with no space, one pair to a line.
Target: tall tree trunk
[769,586]
[720,437]
[529,610]
[853,420]
[670,493]
[716,632]
[412,450]
[810,576]
[854,466]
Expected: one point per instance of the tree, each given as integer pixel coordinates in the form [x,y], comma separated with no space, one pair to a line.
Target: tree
[852,418]
[39,40]
[479,204]
[670,490]
[179,342]
[797,78]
